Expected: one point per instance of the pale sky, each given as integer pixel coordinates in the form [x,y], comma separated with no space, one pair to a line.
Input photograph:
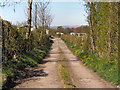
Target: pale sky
[64,13]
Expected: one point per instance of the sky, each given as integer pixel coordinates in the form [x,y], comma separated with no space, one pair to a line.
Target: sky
[64,13]
[69,13]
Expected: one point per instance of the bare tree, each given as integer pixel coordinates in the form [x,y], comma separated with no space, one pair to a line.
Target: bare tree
[36,16]
[7,3]
[49,18]
[44,16]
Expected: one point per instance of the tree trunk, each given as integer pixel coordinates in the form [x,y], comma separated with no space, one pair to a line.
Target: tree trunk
[29,16]
[36,16]
[43,20]
[91,31]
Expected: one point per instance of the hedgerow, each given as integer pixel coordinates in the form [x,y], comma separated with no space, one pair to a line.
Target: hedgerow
[20,52]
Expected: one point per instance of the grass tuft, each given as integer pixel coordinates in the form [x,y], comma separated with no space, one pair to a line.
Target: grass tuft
[64,73]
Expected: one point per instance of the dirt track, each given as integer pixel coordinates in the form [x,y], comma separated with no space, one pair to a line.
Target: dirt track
[80,75]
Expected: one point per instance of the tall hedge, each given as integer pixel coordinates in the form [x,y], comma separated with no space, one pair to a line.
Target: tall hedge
[15,40]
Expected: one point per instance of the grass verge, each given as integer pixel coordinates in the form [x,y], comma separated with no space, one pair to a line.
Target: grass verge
[108,70]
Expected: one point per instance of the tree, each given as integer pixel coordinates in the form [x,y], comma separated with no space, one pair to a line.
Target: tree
[91,29]
[60,29]
[7,3]
[29,16]
[44,16]
[36,16]
[103,23]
